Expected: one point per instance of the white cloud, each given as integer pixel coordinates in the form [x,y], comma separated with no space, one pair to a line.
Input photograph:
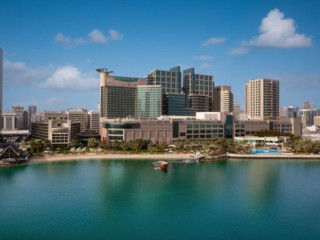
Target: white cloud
[67,40]
[202,57]
[70,78]
[95,36]
[205,65]
[114,35]
[98,37]
[238,51]
[20,73]
[213,41]
[277,31]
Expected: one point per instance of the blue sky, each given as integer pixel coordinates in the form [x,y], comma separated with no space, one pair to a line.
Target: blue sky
[53,48]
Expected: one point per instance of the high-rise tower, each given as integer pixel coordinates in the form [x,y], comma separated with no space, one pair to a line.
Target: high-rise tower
[262,98]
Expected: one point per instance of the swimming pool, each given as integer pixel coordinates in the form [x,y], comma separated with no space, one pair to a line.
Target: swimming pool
[265,151]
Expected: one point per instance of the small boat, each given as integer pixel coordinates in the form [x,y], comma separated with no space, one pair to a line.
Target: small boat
[198,156]
[160,165]
[190,161]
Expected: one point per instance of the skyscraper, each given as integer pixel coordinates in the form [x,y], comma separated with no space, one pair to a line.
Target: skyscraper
[170,80]
[262,98]
[200,89]
[1,74]
[31,110]
[223,99]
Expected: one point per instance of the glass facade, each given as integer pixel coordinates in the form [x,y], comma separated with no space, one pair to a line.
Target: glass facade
[199,103]
[176,104]
[229,126]
[148,102]
[170,81]
[198,84]
[205,130]
[120,102]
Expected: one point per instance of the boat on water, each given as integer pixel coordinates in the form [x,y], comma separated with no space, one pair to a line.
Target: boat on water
[160,165]
[194,158]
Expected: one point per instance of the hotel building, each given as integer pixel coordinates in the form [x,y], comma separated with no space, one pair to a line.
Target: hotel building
[262,99]
[118,94]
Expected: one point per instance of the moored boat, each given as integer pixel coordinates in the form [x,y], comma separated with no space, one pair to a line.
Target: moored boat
[160,165]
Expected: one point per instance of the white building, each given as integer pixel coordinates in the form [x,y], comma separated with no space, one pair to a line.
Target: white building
[9,121]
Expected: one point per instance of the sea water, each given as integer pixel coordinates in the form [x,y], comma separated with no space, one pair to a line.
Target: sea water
[128,199]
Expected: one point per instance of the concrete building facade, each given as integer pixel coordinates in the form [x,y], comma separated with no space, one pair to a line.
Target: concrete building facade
[9,121]
[262,99]
[79,115]
[60,132]
[94,121]
[317,121]
[223,99]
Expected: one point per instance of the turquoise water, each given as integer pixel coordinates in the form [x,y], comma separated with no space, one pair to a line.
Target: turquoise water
[265,151]
[240,199]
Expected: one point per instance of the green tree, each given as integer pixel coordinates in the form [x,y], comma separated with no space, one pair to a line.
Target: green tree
[74,143]
[105,145]
[161,146]
[92,143]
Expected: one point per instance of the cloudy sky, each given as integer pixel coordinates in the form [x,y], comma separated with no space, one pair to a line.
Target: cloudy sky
[51,49]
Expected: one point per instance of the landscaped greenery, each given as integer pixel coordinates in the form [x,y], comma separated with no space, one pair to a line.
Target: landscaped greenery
[299,145]
[207,146]
[212,146]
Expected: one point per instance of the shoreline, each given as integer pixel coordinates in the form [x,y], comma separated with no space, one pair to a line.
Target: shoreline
[113,156]
[165,156]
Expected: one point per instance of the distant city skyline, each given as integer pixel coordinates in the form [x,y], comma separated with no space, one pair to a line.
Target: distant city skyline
[50,57]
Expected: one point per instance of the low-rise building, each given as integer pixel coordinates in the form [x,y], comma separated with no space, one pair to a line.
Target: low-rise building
[161,130]
[317,121]
[59,131]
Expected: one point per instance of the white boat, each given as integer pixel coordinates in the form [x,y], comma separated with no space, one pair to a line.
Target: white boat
[195,158]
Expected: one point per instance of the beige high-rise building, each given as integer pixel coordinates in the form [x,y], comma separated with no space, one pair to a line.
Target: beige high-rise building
[223,99]
[262,99]
[94,121]
[79,115]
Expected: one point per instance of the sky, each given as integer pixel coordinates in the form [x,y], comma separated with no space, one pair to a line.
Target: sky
[52,48]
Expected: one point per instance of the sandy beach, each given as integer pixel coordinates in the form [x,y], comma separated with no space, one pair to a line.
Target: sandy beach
[89,156]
